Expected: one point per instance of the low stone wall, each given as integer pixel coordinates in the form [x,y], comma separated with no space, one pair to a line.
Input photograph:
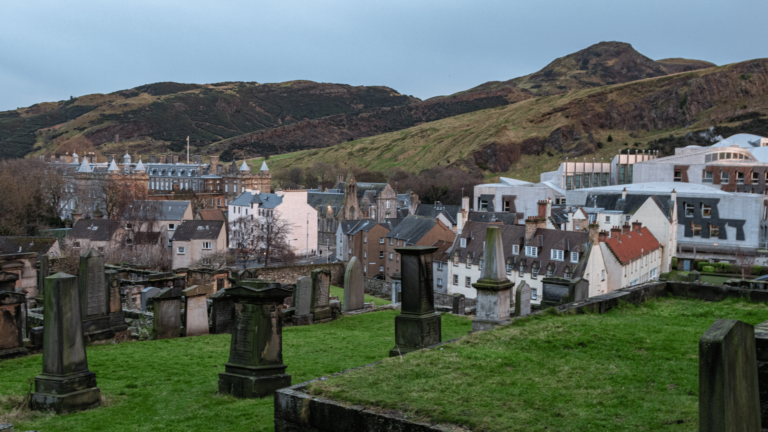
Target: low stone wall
[383,289]
[298,411]
[290,274]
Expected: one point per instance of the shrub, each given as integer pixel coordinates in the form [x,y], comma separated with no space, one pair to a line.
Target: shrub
[599,144]
[757,270]
[610,138]
[700,265]
[709,269]
[674,262]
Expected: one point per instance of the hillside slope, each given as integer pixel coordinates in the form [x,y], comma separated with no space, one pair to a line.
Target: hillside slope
[601,64]
[531,136]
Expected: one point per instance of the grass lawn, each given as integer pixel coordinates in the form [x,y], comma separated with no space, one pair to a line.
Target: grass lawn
[681,275]
[634,368]
[337,291]
[171,385]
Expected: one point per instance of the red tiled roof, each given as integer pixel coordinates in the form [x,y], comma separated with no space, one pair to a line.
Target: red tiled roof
[212,214]
[633,245]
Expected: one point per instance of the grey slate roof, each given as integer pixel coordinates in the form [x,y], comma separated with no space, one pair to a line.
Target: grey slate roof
[433,210]
[507,218]
[631,204]
[246,199]
[412,229]
[198,230]
[94,229]
[156,210]
[14,245]
[269,200]
[404,200]
[323,200]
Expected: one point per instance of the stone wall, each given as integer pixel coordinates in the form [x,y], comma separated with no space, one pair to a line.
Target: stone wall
[290,274]
[383,289]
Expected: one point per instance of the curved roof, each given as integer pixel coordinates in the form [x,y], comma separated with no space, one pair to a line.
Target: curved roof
[742,140]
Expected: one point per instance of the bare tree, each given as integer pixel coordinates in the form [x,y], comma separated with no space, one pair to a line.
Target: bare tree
[272,236]
[216,260]
[744,262]
[32,197]
[243,237]
[117,195]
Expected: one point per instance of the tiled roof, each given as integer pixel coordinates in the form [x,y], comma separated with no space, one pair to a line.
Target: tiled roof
[157,210]
[15,245]
[198,230]
[443,250]
[433,210]
[633,245]
[269,200]
[507,218]
[322,200]
[212,214]
[94,229]
[412,229]
[631,204]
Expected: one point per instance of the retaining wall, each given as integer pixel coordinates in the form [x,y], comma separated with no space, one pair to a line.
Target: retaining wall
[290,274]
[383,289]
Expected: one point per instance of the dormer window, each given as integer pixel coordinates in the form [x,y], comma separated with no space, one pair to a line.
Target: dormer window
[522,268]
[516,249]
[574,257]
[531,251]
[469,262]
[456,260]
[688,210]
[567,272]
[557,254]
[550,270]
[534,270]
[463,242]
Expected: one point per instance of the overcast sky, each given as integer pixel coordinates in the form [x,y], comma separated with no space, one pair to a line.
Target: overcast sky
[50,50]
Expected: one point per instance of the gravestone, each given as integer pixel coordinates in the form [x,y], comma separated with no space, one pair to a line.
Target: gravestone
[321,296]
[255,368]
[12,314]
[418,325]
[459,301]
[354,286]
[66,384]
[95,298]
[493,287]
[43,272]
[8,282]
[116,314]
[557,290]
[167,311]
[729,400]
[196,322]
[302,301]
[222,313]
[146,294]
[761,349]
[523,300]
[396,287]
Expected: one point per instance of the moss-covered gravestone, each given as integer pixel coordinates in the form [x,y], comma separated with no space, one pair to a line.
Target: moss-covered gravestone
[493,287]
[167,311]
[12,314]
[321,296]
[222,312]
[146,294]
[522,300]
[728,391]
[255,368]
[66,384]
[459,304]
[43,271]
[354,286]
[418,325]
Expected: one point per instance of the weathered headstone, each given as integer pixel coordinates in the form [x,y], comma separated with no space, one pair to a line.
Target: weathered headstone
[354,286]
[222,312]
[146,294]
[167,311]
[523,300]
[43,272]
[12,307]
[459,307]
[321,294]
[493,287]
[557,290]
[255,368]
[116,314]
[95,298]
[396,287]
[8,282]
[196,323]
[728,391]
[761,348]
[66,384]
[302,301]
[418,325]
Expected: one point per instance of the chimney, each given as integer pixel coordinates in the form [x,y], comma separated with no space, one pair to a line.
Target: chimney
[594,232]
[615,232]
[162,159]
[152,158]
[465,204]
[76,216]
[602,236]
[624,194]
[636,225]
[674,196]
[625,228]
[175,159]
[531,224]
[543,209]
[213,169]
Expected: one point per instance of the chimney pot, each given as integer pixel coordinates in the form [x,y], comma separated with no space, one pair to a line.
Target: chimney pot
[625,228]
[636,225]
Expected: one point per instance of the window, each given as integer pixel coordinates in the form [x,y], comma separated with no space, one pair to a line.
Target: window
[531,251]
[550,271]
[688,210]
[171,227]
[556,254]
[169,242]
[696,229]
[365,254]
[129,241]
[522,268]
[76,245]
[509,268]
[740,178]
[607,219]
[468,282]
[456,260]
[574,257]
[381,254]
[439,282]
[534,294]
[483,205]
[180,250]
[439,265]
[567,272]
[725,177]
[678,176]
[534,272]
[390,240]
[755,177]
[469,262]
[456,279]
[381,240]
[714,231]
[387,204]
[707,177]
[381,269]
[706,210]
[516,249]
[365,238]
[129,226]
[207,245]
[463,242]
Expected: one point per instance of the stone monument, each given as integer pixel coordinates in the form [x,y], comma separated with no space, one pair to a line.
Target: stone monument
[302,301]
[167,311]
[522,300]
[146,294]
[459,301]
[321,296]
[728,391]
[95,302]
[196,322]
[43,271]
[493,287]
[222,312]
[12,322]
[255,368]
[354,286]
[396,287]
[116,314]
[418,325]
[66,384]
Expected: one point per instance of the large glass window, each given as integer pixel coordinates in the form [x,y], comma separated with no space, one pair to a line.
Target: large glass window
[706,210]
[678,176]
[707,177]
[688,210]
[725,177]
[740,178]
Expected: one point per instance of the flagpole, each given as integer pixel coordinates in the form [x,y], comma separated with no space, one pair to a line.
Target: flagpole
[187,150]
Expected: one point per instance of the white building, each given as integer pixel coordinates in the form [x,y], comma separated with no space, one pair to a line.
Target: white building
[632,256]
[516,196]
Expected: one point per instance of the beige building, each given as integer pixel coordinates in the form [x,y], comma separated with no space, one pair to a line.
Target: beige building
[193,240]
[632,256]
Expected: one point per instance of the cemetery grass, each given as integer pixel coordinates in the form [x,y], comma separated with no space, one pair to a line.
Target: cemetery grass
[171,385]
[339,292]
[633,368]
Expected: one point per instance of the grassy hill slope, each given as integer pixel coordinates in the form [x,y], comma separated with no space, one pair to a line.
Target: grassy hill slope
[526,138]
